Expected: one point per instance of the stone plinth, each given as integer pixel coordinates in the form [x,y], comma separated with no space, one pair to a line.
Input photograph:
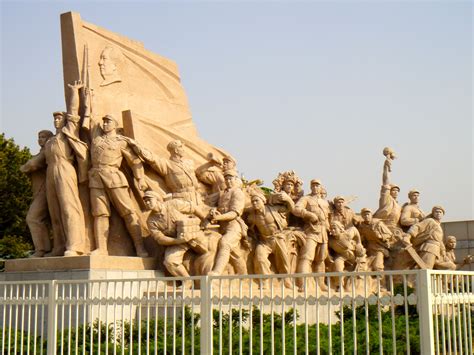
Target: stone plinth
[90,262]
[92,267]
[81,278]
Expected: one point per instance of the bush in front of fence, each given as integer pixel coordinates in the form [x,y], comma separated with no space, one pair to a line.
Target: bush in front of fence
[280,332]
[366,328]
[135,337]
[17,342]
[242,328]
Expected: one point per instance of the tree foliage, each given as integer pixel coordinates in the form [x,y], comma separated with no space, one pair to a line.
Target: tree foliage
[15,188]
[15,198]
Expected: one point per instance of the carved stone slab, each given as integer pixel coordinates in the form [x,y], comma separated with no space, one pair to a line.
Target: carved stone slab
[89,262]
[125,76]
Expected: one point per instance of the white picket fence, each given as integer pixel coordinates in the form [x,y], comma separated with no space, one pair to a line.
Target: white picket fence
[417,312]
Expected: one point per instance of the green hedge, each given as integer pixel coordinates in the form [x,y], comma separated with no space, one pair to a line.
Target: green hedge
[127,335]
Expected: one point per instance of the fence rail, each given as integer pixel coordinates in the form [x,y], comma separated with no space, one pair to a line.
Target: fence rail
[406,312]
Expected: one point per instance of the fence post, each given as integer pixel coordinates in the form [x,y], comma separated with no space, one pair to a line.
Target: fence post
[206,316]
[52,318]
[425,311]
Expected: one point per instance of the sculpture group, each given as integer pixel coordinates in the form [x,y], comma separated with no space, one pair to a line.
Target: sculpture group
[213,218]
[205,218]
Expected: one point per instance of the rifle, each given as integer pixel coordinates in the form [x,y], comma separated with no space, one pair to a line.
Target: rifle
[399,235]
[87,91]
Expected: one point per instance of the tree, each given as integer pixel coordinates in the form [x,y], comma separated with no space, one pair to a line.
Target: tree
[15,190]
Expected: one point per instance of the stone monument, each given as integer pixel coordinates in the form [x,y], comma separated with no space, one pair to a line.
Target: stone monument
[126,174]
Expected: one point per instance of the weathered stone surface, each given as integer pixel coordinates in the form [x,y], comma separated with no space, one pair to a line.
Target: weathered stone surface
[88,262]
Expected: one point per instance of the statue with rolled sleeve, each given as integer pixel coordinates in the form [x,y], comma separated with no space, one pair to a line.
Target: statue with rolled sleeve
[37,217]
[269,225]
[173,224]
[211,173]
[389,210]
[427,238]
[342,243]
[347,252]
[228,215]
[377,238]
[108,185]
[178,173]
[315,249]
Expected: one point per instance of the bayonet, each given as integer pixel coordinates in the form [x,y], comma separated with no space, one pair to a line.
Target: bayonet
[86,114]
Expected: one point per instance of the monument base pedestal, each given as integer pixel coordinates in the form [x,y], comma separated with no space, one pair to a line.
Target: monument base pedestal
[86,289]
[90,267]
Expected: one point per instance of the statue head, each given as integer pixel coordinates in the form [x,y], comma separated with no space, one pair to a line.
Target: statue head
[231,178]
[389,153]
[323,193]
[152,200]
[109,123]
[228,162]
[394,190]
[315,186]
[290,183]
[59,119]
[176,148]
[437,212]
[258,201]
[366,215]
[108,65]
[339,202]
[336,228]
[450,242]
[43,137]
[414,196]
[288,186]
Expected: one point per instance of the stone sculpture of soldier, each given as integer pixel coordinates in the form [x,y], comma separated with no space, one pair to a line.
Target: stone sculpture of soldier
[63,153]
[377,239]
[389,210]
[178,172]
[269,225]
[174,224]
[411,212]
[315,248]
[228,214]
[211,173]
[37,217]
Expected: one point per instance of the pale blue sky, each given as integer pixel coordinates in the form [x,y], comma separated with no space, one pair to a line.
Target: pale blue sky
[318,87]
